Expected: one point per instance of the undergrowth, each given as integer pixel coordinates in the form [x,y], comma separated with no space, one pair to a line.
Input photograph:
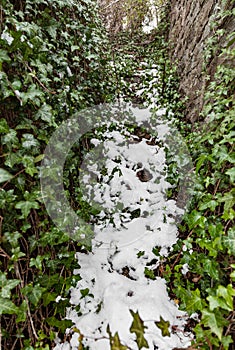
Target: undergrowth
[51,65]
[53,62]
[200,270]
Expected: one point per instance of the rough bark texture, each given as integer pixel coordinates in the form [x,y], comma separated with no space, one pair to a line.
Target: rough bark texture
[192,24]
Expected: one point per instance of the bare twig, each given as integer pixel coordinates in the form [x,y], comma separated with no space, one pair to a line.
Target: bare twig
[17,271]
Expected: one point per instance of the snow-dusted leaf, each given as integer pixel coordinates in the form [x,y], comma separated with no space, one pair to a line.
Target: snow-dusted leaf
[163,326]
[138,327]
[29,141]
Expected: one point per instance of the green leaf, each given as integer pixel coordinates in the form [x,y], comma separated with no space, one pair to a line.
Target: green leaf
[163,326]
[7,307]
[62,325]
[37,262]
[231,42]
[26,206]
[211,204]
[229,200]
[49,297]
[195,218]
[4,56]
[45,113]
[34,293]
[114,341]
[39,158]
[84,292]
[31,95]
[22,313]
[200,161]
[4,175]
[231,174]
[7,285]
[4,128]
[75,47]
[233,272]
[149,273]
[29,141]
[214,321]
[194,301]
[138,327]
[229,241]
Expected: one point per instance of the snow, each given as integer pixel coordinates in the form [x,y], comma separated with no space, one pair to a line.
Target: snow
[122,247]
[114,272]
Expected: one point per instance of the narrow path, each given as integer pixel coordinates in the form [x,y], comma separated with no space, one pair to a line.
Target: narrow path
[135,221]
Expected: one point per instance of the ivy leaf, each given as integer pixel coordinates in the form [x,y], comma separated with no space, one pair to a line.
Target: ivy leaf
[114,341]
[75,47]
[39,158]
[22,314]
[227,293]
[26,206]
[163,326]
[214,321]
[29,141]
[138,327]
[7,285]
[194,301]
[211,204]
[7,307]
[231,42]
[231,173]
[45,113]
[195,218]
[31,94]
[149,273]
[229,241]
[200,161]
[4,128]
[34,293]
[232,275]
[216,302]
[37,262]
[4,175]
[4,56]
[229,201]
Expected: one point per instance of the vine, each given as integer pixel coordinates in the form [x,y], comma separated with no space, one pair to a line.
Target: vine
[200,270]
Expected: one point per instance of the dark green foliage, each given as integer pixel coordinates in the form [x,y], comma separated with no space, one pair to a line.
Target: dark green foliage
[54,61]
[53,58]
[207,235]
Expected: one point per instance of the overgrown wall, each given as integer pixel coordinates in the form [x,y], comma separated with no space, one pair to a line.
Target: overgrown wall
[193,23]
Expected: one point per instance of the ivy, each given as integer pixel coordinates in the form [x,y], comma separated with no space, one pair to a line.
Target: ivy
[138,327]
[55,59]
[53,62]
[207,243]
